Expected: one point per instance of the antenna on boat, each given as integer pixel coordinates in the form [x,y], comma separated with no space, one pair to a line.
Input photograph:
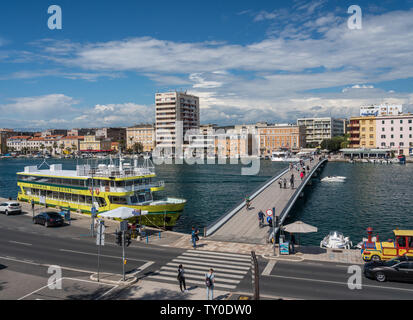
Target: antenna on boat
[44,162]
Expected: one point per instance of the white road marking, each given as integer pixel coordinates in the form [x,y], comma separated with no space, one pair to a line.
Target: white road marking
[232,259]
[244,264]
[202,267]
[102,255]
[218,274]
[143,267]
[222,254]
[269,267]
[202,283]
[22,243]
[208,264]
[341,283]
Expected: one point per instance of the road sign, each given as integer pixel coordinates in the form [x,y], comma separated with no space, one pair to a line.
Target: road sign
[124,225]
[94,210]
[269,212]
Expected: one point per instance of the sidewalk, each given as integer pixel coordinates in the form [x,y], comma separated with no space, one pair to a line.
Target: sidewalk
[151,290]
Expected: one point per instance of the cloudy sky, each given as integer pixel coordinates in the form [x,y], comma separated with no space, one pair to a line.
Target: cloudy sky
[248,61]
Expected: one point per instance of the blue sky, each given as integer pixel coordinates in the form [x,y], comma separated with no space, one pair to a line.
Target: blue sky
[247,60]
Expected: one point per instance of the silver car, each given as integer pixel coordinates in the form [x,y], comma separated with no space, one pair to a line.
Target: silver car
[10,207]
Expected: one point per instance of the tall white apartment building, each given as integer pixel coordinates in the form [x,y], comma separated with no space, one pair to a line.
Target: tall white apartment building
[176,113]
[319,129]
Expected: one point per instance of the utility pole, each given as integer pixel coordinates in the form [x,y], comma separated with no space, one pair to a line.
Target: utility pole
[100,241]
[93,210]
[123,254]
[273,231]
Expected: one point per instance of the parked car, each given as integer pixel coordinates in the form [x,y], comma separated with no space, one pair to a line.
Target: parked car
[10,207]
[398,269]
[48,219]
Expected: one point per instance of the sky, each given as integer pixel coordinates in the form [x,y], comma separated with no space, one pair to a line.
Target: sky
[248,61]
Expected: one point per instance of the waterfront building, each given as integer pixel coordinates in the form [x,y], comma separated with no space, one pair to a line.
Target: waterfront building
[113,134]
[281,136]
[95,144]
[4,135]
[17,143]
[176,113]
[395,132]
[71,144]
[81,132]
[54,132]
[143,134]
[319,129]
[362,132]
[381,110]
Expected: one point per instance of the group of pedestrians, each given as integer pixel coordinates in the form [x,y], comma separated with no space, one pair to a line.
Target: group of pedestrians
[209,281]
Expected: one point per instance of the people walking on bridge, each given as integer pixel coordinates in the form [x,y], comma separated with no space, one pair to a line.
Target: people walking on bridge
[302,175]
[248,202]
[261,218]
[280,183]
[292,181]
[285,183]
[210,282]
[181,278]
[292,243]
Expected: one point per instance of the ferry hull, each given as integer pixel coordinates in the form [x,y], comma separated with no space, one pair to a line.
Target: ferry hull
[162,215]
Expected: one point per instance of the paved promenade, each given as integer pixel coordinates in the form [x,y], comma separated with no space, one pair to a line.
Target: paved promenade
[243,226]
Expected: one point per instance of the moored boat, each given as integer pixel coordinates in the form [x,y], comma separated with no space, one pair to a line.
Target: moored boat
[105,187]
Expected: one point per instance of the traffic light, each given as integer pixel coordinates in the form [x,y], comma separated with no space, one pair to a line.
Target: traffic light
[119,238]
[128,239]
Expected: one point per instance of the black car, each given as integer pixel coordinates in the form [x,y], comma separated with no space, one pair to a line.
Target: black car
[398,269]
[48,219]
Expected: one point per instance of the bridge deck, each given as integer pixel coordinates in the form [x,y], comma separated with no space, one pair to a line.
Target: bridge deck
[244,227]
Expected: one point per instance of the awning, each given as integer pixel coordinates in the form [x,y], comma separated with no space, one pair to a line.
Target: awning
[122,213]
[299,227]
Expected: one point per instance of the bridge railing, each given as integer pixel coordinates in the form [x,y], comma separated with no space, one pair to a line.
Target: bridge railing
[219,222]
[293,198]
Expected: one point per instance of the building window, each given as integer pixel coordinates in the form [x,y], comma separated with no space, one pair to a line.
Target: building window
[401,121]
[383,144]
[382,122]
[392,129]
[401,128]
[382,129]
[392,136]
[392,122]
[401,144]
[401,136]
[391,144]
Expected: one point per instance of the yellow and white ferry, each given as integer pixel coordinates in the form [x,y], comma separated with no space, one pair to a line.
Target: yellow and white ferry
[110,186]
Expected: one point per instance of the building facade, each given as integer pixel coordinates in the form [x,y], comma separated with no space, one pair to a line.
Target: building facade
[395,132]
[143,134]
[381,110]
[319,129]
[95,144]
[176,113]
[114,134]
[283,136]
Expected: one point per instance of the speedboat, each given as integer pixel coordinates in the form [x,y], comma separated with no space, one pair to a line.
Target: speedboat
[336,240]
[334,179]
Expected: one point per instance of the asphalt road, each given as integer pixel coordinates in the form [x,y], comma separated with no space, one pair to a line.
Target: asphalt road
[22,245]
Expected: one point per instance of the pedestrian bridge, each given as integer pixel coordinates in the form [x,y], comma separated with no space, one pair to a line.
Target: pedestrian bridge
[241,224]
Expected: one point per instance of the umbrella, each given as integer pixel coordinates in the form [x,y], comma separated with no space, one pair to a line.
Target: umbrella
[299,227]
[121,213]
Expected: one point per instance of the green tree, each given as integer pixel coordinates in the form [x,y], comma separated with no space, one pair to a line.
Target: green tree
[137,147]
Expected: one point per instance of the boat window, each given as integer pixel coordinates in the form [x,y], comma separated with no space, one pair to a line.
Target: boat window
[118,200]
[401,241]
[141,198]
[82,199]
[88,199]
[133,199]
[68,196]
[101,201]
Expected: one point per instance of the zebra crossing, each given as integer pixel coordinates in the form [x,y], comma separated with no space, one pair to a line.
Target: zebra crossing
[229,268]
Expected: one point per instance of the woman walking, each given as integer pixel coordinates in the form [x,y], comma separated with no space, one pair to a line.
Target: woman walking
[181,278]
[210,282]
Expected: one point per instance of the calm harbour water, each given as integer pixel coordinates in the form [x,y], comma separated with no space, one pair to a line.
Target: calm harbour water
[374,195]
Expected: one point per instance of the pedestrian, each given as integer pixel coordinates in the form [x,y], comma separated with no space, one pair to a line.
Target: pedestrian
[292,181]
[261,218]
[280,183]
[209,282]
[292,241]
[285,183]
[194,236]
[181,278]
[301,175]
[308,168]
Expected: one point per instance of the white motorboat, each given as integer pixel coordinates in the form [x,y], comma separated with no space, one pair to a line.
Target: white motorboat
[283,157]
[336,240]
[334,179]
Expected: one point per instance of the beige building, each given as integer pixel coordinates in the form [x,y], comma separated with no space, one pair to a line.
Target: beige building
[71,144]
[95,144]
[282,136]
[144,134]
[176,113]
